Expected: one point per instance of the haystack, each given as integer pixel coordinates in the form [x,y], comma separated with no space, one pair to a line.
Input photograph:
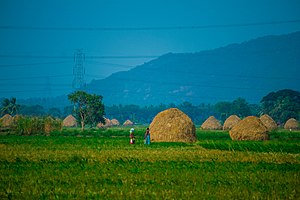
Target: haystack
[115,122]
[70,121]
[172,125]
[230,122]
[128,123]
[250,128]
[108,123]
[211,124]
[268,122]
[291,124]
[6,120]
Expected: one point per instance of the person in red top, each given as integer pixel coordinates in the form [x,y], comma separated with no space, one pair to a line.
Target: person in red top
[132,138]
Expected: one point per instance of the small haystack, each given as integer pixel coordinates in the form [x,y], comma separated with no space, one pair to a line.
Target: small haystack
[107,124]
[291,124]
[115,122]
[211,124]
[268,122]
[250,128]
[230,122]
[6,120]
[172,125]
[70,121]
[128,123]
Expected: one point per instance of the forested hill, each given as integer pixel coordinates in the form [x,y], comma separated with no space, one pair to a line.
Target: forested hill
[249,70]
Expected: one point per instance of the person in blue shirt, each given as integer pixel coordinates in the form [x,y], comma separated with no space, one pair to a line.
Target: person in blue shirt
[147,136]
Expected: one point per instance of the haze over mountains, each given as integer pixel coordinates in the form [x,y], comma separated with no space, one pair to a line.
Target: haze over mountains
[249,70]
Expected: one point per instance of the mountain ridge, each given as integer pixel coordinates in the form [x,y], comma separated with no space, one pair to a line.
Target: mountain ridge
[250,70]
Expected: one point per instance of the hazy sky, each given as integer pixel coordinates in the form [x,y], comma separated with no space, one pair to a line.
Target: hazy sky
[38,38]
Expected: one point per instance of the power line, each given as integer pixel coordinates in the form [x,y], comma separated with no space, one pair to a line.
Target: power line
[115,65]
[41,85]
[35,77]
[25,91]
[122,57]
[71,57]
[33,64]
[154,28]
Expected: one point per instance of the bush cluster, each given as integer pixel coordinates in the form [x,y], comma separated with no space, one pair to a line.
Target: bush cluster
[36,125]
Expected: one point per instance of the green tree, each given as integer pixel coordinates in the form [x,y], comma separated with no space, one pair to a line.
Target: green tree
[189,109]
[54,112]
[282,105]
[224,109]
[10,106]
[34,110]
[240,107]
[88,108]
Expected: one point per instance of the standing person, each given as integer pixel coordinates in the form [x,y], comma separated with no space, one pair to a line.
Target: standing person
[147,136]
[132,138]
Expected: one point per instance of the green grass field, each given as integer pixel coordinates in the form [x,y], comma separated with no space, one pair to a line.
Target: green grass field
[101,164]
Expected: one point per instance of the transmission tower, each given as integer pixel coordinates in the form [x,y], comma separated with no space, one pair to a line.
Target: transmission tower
[79,70]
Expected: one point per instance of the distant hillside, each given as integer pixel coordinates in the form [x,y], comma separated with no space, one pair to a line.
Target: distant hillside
[250,70]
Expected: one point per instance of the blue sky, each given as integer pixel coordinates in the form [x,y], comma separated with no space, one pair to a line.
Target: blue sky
[29,58]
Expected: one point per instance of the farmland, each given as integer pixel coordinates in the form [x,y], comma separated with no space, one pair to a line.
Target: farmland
[101,164]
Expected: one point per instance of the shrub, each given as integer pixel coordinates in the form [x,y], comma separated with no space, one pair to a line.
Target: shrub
[36,125]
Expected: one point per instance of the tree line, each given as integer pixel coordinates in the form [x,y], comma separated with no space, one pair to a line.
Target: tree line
[280,105]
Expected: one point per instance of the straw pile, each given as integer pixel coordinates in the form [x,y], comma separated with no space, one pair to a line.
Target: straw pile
[128,123]
[291,124]
[268,122]
[230,122]
[6,120]
[107,124]
[70,121]
[211,124]
[250,128]
[115,122]
[172,125]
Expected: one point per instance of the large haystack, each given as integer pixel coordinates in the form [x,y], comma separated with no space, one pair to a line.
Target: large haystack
[230,122]
[268,122]
[172,125]
[250,128]
[107,124]
[6,120]
[291,124]
[70,121]
[128,123]
[211,124]
[115,122]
